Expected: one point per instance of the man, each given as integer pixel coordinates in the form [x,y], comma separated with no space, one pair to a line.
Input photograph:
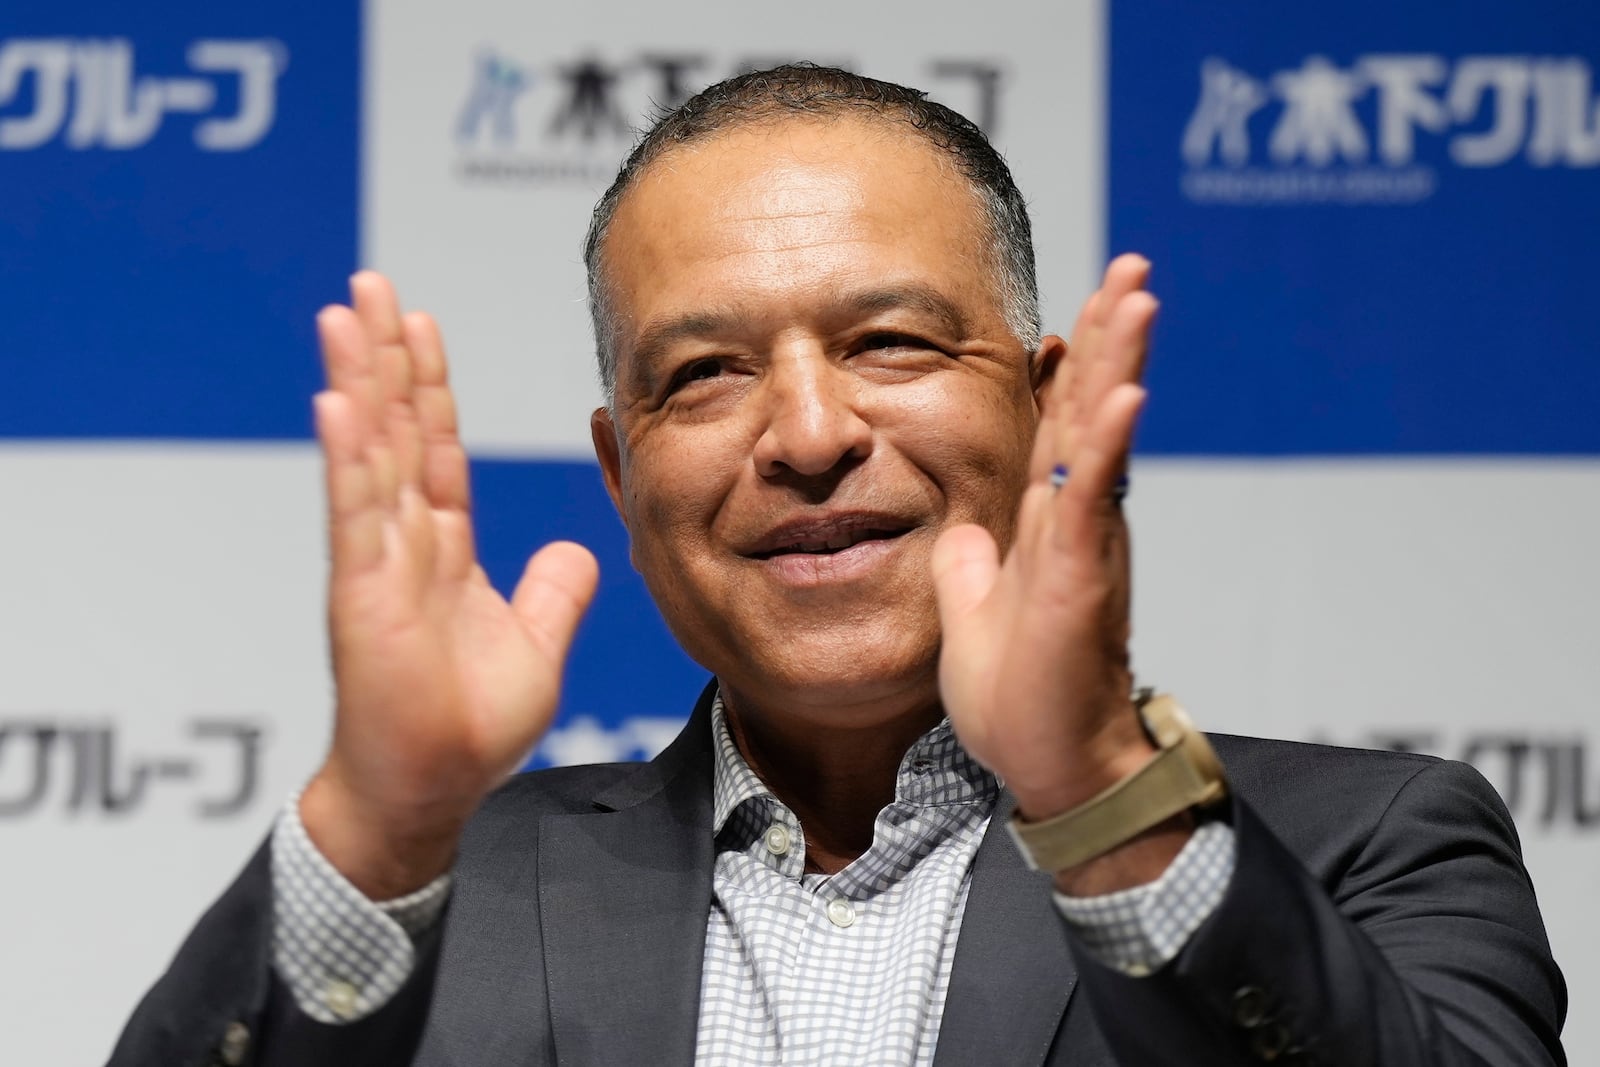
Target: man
[884,513]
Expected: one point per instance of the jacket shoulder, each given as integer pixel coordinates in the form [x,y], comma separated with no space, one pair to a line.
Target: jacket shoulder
[1326,802]
[1269,762]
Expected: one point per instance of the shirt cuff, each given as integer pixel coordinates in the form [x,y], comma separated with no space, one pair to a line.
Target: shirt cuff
[1140,930]
[341,955]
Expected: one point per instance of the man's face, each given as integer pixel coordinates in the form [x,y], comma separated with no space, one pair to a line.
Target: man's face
[814,379]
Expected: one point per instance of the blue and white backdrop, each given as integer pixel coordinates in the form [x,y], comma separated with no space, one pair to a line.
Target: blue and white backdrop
[1367,500]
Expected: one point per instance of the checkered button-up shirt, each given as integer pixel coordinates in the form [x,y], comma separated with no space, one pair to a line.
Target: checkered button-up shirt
[845,968]
[799,968]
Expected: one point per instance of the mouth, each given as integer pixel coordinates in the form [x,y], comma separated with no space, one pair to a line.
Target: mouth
[825,542]
[828,548]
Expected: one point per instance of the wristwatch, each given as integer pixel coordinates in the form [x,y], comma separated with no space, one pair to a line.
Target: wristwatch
[1185,773]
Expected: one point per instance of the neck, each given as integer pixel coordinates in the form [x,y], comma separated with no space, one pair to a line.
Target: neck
[835,772]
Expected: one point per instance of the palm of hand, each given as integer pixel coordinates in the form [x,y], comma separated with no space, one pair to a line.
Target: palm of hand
[443,684]
[1034,667]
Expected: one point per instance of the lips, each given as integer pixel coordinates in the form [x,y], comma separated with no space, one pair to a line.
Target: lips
[826,535]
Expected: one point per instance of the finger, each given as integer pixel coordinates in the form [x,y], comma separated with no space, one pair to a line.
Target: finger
[347,364]
[355,520]
[1125,274]
[1102,459]
[380,461]
[1128,339]
[1124,342]
[1046,446]
[445,478]
[456,551]
[556,588]
[414,523]
[1064,388]
[1085,322]
[378,308]
[444,459]
[966,564]
[1061,398]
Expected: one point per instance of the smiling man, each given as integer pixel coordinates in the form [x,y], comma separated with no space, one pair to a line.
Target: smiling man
[884,513]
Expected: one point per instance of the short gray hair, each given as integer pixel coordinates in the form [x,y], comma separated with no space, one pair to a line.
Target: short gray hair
[802,89]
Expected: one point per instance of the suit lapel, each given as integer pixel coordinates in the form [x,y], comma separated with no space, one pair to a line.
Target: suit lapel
[623,896]
[1013,973]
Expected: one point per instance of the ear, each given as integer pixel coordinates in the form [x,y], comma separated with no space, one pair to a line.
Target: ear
[1045,363]
[603,431]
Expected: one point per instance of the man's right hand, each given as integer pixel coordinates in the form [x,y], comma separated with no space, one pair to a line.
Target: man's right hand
[443,686]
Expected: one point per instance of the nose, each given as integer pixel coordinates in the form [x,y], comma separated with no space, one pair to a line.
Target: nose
[812,421]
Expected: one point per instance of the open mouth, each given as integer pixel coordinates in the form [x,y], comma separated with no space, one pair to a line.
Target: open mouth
[828,544]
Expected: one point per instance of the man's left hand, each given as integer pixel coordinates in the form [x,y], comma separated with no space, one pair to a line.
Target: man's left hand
[1034,668]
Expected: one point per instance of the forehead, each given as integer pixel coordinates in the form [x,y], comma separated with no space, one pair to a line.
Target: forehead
[778,209]
[803,165]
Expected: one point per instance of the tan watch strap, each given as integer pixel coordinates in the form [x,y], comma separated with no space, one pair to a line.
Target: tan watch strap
[1185,773]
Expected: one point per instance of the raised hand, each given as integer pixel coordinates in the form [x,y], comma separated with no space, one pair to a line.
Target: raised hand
[443,686]
[1034,668]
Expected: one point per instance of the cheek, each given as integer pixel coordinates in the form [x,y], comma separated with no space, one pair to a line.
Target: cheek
[974,442]
[672,490]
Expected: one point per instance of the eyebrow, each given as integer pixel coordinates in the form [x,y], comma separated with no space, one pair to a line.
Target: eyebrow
[916,297]
[658,337]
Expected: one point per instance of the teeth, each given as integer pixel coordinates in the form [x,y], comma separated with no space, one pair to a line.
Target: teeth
[836,543]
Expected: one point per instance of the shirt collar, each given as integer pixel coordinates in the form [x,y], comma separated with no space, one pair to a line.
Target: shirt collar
[935,771]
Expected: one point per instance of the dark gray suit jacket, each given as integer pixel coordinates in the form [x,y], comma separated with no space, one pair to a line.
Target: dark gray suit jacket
[1379,914]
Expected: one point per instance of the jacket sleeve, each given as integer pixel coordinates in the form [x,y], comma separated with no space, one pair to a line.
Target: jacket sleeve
[1426,949]
[220,1005]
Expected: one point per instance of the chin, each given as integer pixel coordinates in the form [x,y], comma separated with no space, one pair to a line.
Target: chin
[842,669]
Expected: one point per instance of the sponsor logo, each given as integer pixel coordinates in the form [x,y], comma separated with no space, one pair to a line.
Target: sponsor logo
[82,767]
[84,93]
[573,120]
[1546,780]
[1368,133]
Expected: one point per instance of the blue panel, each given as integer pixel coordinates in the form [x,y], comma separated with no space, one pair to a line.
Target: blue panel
[152,284]
[1381,237]
[625,663]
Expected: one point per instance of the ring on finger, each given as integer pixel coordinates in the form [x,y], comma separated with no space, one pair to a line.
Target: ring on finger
[1119,491]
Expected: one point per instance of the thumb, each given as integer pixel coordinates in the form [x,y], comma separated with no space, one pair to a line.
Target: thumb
[555,591]
[966,562]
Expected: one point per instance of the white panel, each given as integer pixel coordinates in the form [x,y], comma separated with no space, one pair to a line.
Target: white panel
[485,231]
[144,589]
[1445,605]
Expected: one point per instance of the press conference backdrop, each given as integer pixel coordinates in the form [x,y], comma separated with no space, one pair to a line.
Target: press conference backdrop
[1366,498]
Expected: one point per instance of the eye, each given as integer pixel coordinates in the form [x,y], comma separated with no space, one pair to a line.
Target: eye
[888,339]
[695,370]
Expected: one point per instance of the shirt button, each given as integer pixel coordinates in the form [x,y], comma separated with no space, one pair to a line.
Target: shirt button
[777,839]
[1250,1006]
[235,1044]
[840,913]
[340,997]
